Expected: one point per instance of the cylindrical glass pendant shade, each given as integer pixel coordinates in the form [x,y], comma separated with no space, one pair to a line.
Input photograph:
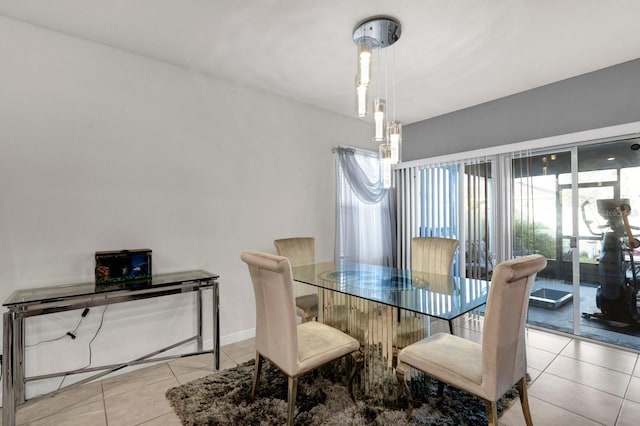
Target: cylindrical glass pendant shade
[364,64]
[362,97]
[379,120]
[363,77]
[394,129]
[385,164]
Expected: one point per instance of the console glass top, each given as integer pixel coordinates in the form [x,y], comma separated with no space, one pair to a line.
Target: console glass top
[52,293]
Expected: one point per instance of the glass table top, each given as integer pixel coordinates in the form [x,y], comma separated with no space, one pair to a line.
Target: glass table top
[57,292]
[440,296]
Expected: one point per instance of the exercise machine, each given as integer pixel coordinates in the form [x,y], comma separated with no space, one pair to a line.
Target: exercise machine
[616,295]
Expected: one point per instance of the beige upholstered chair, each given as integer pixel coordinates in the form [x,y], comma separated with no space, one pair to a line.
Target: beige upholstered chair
[489,369]
[433,254]
[431,257]
[294,349]
[301,251]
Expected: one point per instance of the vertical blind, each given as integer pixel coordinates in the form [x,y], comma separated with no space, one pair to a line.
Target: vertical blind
[451,200]
[408,212]
[478,208]
[427,205]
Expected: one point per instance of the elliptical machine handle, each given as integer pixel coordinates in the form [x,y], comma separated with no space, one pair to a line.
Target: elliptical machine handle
[586,221]
[631,241]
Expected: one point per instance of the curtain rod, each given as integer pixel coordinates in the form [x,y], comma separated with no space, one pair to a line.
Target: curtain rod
[352,149]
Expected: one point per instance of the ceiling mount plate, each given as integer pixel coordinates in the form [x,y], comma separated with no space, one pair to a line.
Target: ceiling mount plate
[378,32]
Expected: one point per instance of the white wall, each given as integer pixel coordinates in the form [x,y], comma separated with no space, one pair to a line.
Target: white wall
[101,149]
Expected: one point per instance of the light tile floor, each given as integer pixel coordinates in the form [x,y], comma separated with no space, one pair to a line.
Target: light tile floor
[574,382]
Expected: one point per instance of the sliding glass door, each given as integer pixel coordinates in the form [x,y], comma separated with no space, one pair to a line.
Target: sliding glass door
[568,205]
[564,203]
[544,223]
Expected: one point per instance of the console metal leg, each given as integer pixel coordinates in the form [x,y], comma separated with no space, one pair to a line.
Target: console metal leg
[199,319]
[8,396]
[18,359]
[216,325]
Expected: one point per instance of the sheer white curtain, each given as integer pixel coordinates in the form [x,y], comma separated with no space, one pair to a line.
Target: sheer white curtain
[365,215]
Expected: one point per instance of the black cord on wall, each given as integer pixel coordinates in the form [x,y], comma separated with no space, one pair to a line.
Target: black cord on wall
[71,333]
[90,342]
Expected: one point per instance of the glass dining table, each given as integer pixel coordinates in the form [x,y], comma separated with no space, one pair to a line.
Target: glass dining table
[387,308]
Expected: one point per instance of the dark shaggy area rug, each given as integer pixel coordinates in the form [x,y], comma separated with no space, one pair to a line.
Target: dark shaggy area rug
[223,398]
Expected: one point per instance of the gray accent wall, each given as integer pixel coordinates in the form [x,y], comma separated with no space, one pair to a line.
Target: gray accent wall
[602,98]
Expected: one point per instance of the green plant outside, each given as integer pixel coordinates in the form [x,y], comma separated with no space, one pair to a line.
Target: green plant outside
[534,238]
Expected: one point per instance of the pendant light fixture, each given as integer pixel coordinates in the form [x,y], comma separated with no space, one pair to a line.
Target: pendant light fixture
[385,164]
[371,34]
[394,129]
[379,120]
[363,78]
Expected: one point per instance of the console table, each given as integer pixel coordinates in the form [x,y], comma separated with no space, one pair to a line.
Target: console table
[46,300]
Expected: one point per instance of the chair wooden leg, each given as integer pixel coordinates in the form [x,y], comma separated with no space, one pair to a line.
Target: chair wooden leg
[359,363]
[291,403]
[524,400]
[402,381]
[256,375]
[492,412]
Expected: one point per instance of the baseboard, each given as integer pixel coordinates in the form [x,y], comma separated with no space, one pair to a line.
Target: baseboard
[237,337]
[231,338]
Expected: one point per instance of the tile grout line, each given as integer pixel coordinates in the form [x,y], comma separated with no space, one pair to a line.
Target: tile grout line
[586,362]
[622,399]
[598,365]
[104,404]
[626,391]
[556,355]
[587,386]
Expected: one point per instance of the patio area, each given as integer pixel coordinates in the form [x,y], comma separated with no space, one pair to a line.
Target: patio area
[561,319]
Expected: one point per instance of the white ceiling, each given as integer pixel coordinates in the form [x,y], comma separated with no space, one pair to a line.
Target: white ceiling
[452,53]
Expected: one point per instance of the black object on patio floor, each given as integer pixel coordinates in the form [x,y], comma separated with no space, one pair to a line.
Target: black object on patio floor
[548,298]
